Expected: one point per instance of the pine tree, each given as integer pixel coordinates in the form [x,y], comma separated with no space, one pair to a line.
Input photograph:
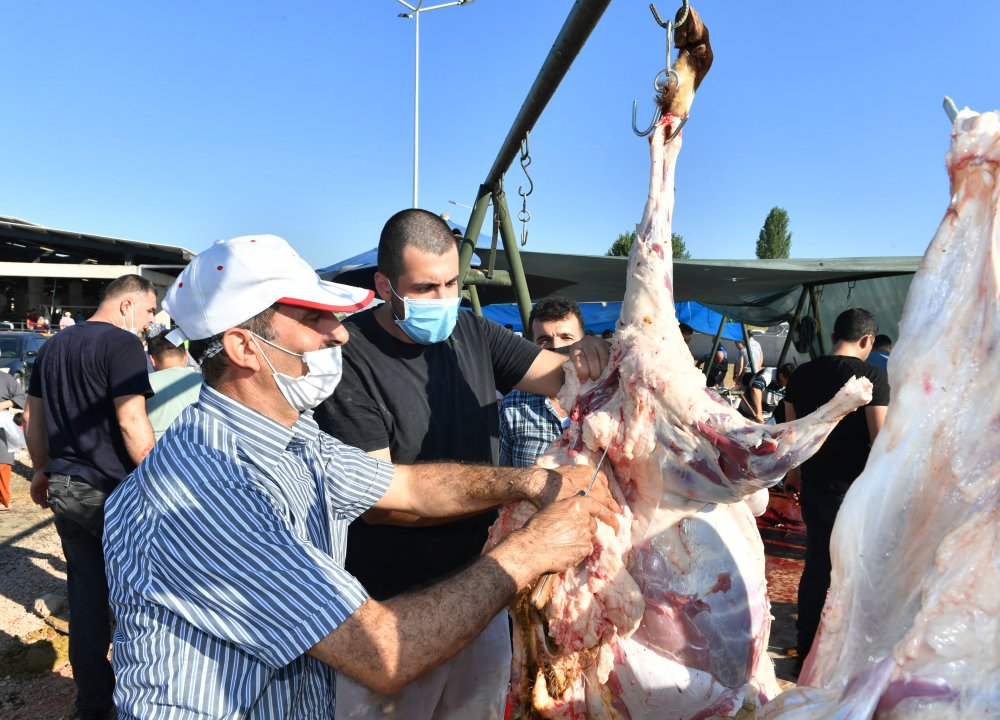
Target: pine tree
[774,240]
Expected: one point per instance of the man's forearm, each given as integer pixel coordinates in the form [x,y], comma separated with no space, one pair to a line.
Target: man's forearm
[138,437]
[389,644]
[447,490]
[36,437]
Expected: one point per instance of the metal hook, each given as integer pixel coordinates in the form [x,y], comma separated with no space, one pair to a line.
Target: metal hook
[667,73]
[656,118]
[525,162]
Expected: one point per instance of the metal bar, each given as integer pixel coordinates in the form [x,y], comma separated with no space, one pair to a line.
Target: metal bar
[514,260]
[416,98]
[477,307]
[746,347]
[793,326]
[715,347]
[819,324]
[476,278]
[472,230]
[580,22]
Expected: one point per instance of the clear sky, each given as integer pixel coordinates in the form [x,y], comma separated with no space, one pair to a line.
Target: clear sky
[186,122]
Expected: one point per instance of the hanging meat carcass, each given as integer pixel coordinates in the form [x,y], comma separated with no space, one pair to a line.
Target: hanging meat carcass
[668,618]
[911,626]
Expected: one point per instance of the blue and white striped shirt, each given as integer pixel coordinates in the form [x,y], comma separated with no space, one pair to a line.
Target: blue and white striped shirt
[225,561]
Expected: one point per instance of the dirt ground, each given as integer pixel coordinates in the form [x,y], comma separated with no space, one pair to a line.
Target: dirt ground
[32,566]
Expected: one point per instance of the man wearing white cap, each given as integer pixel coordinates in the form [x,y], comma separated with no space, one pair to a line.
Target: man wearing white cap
[225,548]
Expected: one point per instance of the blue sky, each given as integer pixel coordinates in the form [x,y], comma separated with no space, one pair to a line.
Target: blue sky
[186,122]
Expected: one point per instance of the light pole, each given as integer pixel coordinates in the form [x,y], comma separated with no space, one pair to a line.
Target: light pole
[414,13]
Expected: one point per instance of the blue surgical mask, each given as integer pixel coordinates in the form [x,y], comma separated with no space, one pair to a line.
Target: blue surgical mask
[428,321]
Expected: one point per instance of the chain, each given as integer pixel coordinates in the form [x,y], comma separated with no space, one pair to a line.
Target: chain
[850,287]
[524,216]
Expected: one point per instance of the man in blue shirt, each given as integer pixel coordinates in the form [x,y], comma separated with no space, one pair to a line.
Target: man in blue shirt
[225,548]
[529,423]
[880,352]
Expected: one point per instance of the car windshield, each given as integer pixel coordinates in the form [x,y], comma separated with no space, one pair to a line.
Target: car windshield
[10,347]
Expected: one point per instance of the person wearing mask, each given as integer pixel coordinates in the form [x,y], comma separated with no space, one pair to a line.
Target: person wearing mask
[87,430]
[420,384]
[225,548]
[529,423]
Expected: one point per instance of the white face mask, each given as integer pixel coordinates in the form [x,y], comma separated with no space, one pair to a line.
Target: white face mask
[132,329]
[309,390]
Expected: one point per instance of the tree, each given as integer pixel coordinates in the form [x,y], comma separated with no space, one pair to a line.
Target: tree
[623,243]
[774,241]
[680,248]
[621,246]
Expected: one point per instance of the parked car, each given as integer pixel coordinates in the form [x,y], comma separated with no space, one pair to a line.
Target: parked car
[17,354]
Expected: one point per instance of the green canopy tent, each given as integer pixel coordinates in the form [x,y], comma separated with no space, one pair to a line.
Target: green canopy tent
[754,292]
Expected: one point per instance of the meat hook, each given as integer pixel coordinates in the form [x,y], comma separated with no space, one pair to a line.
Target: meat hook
[662,80]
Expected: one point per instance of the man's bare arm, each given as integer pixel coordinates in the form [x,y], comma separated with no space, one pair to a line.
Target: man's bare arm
[545,375]
[385,645]
[36,437]
[134,423]
[875,419]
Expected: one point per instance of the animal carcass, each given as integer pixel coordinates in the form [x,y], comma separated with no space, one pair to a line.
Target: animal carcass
[911,627]
[668,618]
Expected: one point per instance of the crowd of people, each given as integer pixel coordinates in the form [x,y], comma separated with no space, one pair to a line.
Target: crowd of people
[285,512]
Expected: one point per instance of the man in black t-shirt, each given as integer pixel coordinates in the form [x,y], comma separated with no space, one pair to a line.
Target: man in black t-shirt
[824,478]
[87,429]
[419,384]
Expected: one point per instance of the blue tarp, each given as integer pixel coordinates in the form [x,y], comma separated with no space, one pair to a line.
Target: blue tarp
[598,317]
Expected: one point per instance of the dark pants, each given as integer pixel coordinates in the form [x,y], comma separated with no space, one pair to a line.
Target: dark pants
[79,517]
[819,511]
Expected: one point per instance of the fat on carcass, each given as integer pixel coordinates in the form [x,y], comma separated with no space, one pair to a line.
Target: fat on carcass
[911,626]
[668,617]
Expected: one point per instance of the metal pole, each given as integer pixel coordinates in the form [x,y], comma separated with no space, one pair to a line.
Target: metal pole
[579,24]
[819,323]
[416,102]
[746,347]
[514,260]
[472,231]
[794,326]
[715,347]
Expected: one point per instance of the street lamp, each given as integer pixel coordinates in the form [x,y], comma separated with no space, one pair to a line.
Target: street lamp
[452,202]
[415,15]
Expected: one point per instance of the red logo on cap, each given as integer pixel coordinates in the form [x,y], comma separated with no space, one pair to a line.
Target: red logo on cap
[180,284]
[219,268]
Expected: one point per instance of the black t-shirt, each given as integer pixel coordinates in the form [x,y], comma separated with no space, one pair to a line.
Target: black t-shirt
[424,403]
[843,456]
[79,373]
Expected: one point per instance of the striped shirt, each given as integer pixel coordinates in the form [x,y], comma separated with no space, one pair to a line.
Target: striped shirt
[528,426]
[225,561]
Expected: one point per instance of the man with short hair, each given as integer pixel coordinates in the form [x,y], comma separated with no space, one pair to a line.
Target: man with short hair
[880,352]
[530,423]
[824,479]
[420,384]
[225,548]
[87,430]
[174,382]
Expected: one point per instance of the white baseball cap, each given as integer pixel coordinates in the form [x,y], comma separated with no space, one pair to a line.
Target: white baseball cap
[234,280]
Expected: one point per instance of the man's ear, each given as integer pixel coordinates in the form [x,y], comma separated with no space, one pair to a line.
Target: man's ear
[152,361]
[241,350]
[866,342]
[382,287]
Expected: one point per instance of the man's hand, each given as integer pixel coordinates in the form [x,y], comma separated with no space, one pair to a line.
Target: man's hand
[590,356]
[569,481]
[40,489]
[560,536]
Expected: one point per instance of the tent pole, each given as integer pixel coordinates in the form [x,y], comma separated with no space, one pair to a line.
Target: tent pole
[746,347]
[715,346]
[794,326]
[819,323]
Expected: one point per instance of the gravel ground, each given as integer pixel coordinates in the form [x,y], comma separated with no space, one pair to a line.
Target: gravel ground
[31,565]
